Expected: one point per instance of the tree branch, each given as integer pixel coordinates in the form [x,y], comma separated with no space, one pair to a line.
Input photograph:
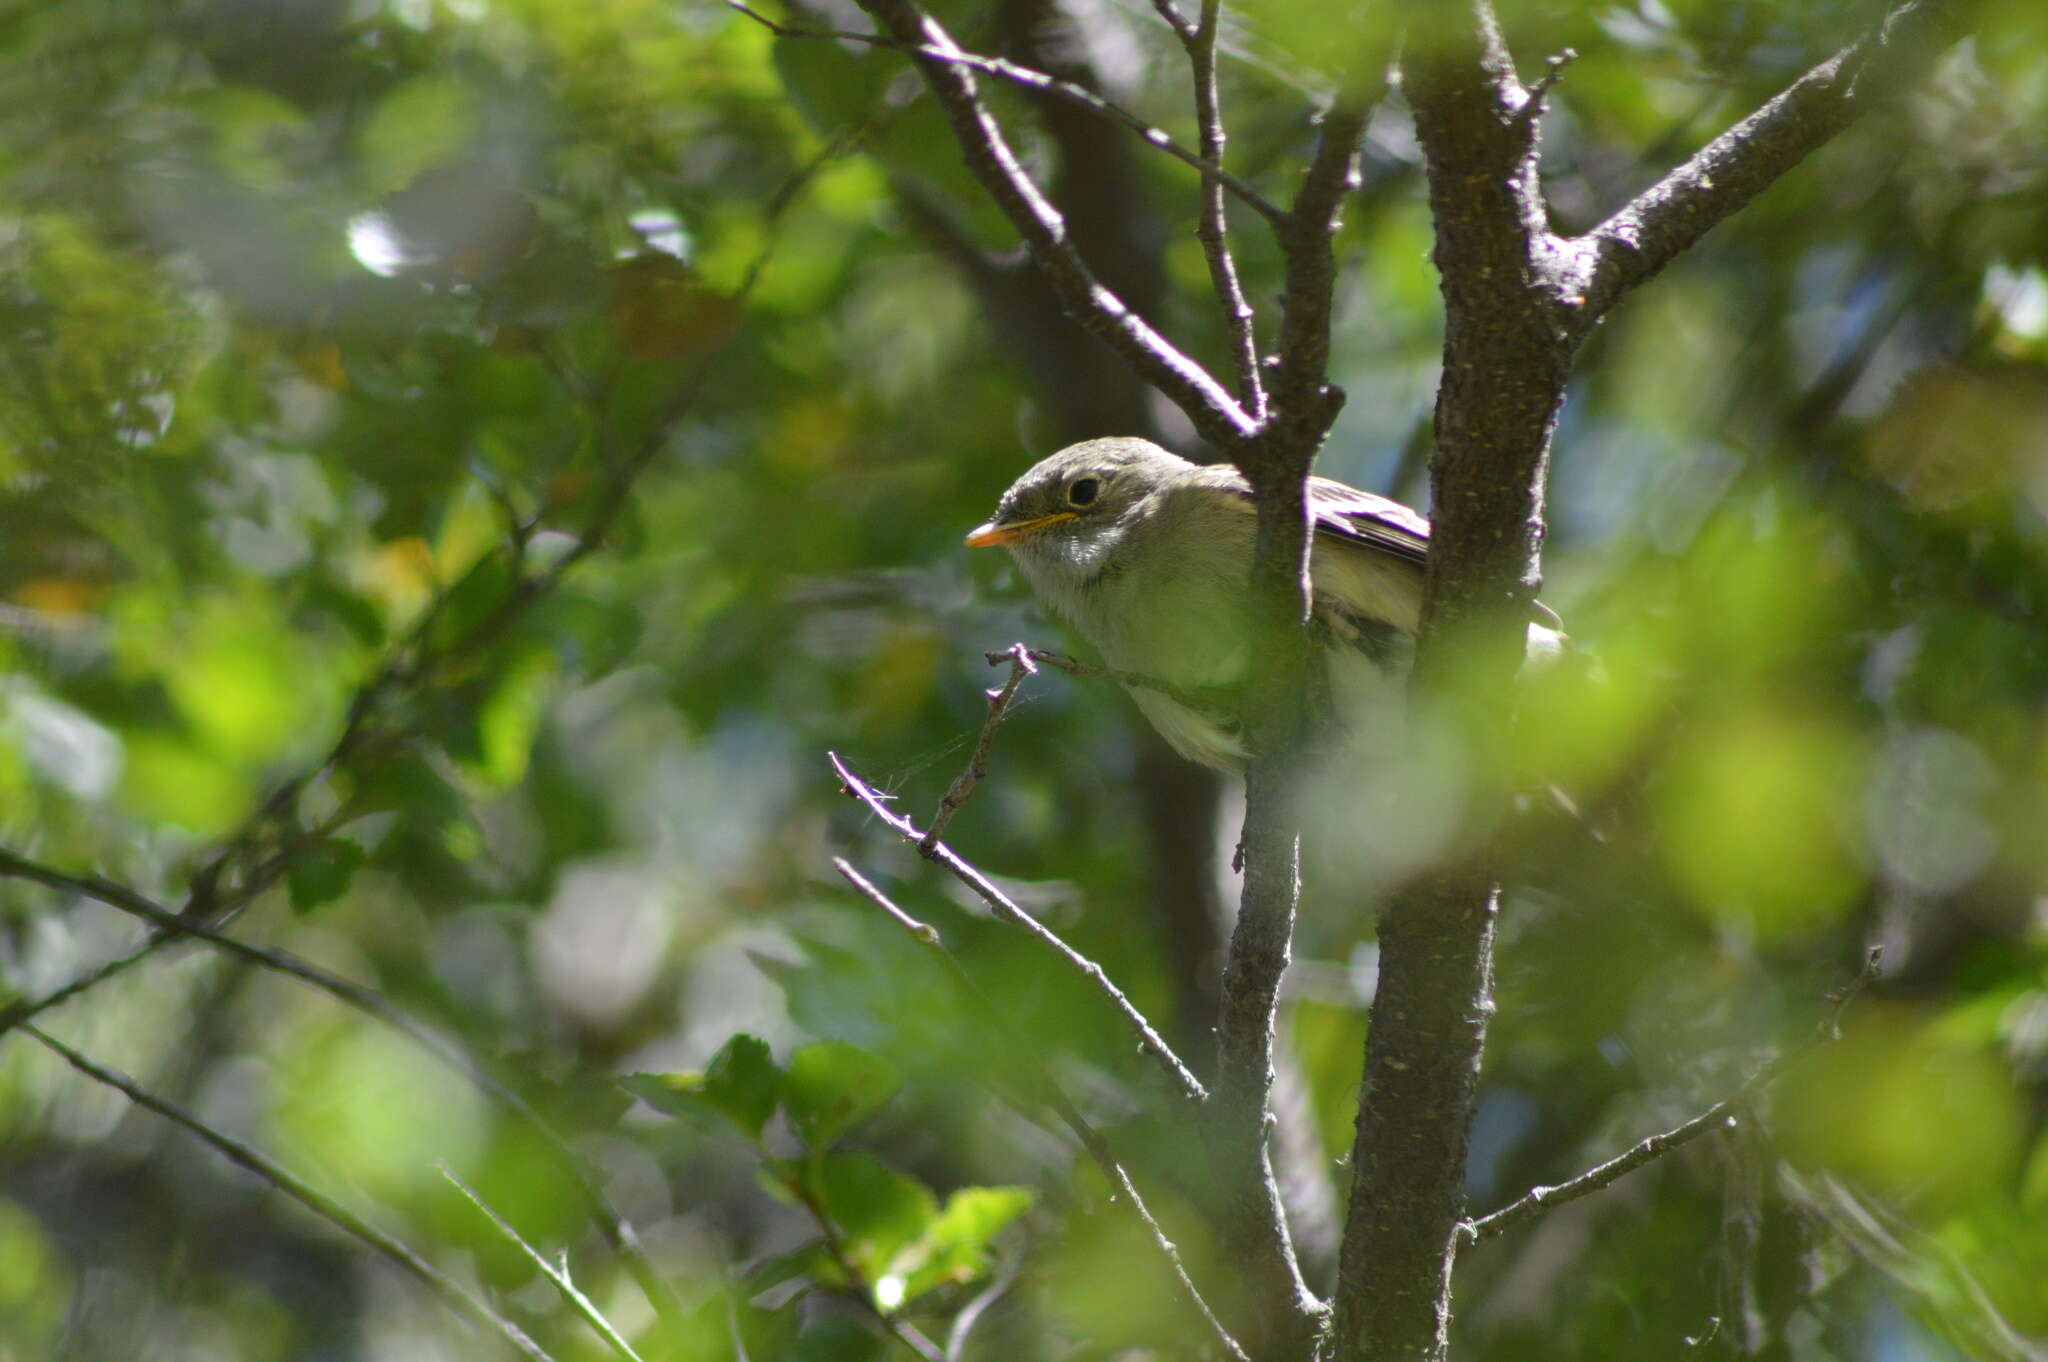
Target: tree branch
[957,794]
[1670,216]
[1506,361]
[1303,405]
[1212,409]
[1208,163]
[333,1212]
[1083,1130]
[1718,1116]
[1182,1079]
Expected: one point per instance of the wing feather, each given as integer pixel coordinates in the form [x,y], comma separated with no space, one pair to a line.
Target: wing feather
[1344,514]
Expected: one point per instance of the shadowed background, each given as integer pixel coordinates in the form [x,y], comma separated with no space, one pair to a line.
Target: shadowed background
[317,313]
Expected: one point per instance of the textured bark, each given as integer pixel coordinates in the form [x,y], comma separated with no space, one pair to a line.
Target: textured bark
[1517,300]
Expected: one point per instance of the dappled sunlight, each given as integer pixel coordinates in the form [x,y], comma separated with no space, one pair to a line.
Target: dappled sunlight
[464,464]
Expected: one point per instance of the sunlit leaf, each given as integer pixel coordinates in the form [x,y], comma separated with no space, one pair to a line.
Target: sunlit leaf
[878,1212]
[954,1249]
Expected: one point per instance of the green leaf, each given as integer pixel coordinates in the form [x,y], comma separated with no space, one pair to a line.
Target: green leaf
[955,1246]
[878,1211]
[739,1086]
[320,873]
[832,1086]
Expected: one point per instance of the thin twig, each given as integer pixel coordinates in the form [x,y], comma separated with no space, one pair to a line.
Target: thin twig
[558,1275]
[1207,403]
[1206,163]
[970,1314]
[313,1200]
[1719,1116]
[24,1010]
[1554,65]
[1539,1199]
[1240,323]
[1211,704]
[1148,1038]
[1091,1139]
[617,1230]
[963,784]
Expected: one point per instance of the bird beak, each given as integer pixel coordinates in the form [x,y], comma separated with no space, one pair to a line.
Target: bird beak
[995,533]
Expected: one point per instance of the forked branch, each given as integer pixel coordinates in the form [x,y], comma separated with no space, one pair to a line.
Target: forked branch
[1149,1039]
[1672,215]
[989,157]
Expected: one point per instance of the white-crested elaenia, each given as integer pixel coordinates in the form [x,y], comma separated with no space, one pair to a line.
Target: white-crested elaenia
[1149,556]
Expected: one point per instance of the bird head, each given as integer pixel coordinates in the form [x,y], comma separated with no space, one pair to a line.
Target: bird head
[1072,507]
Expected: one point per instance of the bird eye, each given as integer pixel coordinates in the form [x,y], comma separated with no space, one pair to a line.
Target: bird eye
[1084,491]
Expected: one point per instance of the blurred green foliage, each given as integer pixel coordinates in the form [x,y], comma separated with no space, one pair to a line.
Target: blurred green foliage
[463,462]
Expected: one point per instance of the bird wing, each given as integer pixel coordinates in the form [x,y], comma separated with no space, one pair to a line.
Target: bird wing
[1346,515]
[1356,517]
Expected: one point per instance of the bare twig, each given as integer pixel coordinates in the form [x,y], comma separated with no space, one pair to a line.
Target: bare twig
[1309,271]
[1175,20]
[1554,66]
[970,1314]
[1240,323]
[558,1274]
[617,1230]
[313,1200]
[1666,219]
[1536,1200]
[1212,703]
[1206,163]
[1083,1130]
[24,1010]
[1149,1039]
[1720,1116]
[963,785]
[989,158]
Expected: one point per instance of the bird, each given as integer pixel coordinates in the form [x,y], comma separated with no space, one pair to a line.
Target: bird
[1148,556]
